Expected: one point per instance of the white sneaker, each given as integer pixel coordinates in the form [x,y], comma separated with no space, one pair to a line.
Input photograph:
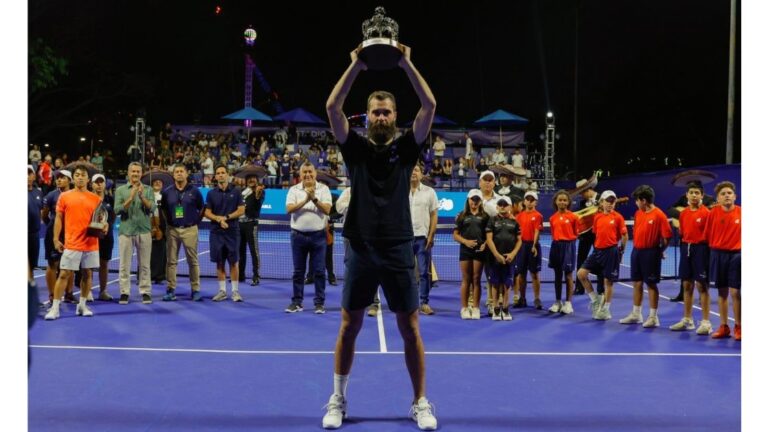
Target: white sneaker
[53,313]
[632,318]
[475,313]
[705,328]
[567,309]
[505,315]
[683,324]
[83,310]
[555,308]
[496,314]
[595,305]
[221,295]
[421,413]
[603,314]
[337,412]
[652,321]
[90,297]
[465,314]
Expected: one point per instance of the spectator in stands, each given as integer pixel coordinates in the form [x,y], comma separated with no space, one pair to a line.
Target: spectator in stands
[439,146]
[34,156]
[263,146]
[309,204]
[461,173]
[134,202]
[447,169]
[224,207]
[469,153]
[134,152]
[207,166]
[272,170]
[499,157]
[45,175]
[482,164]
[98,161]
[58,164]
[203,142]
[517,159]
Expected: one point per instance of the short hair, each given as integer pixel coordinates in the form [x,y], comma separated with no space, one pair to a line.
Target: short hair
[381,95]
[724,184]
[307,164]
[695,185]
[179,165]
[80,167]
[557,194]
[420,166]
[644,192]
[221,165]
[138,164]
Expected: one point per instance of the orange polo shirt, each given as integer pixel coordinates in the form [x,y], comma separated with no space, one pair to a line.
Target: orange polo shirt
[724,228]
[77,209]
[650,228]
[608,229]
[529,221]
[693,224]
[563,226]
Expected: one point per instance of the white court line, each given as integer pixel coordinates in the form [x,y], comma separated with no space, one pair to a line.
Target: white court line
[444,353]
[380,324]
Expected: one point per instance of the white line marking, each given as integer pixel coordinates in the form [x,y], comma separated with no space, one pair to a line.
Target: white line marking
[380,324]
[445,353]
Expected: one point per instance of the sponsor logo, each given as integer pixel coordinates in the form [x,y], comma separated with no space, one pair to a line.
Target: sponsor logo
[445,204]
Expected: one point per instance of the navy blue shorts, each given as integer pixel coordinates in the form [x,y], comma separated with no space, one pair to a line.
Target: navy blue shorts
[467,254]
[562,255]
[106,245]
[501,273]
[51,254]
[225,245]
[645,265]
[725,268]
[694,262]
[33,249]
[386,263]
[604,261]
[526,262]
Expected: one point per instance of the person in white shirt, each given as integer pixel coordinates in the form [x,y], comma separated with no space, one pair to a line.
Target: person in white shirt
[207,166]
[35,156]
[423,201]
[517,159]
[499,156]
[309,204]
[469,154]
[439,146]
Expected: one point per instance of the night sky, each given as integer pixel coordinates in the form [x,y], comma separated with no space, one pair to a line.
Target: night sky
[652,76]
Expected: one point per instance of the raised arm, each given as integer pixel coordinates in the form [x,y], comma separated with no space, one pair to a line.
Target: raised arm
[335,103]
[423,121]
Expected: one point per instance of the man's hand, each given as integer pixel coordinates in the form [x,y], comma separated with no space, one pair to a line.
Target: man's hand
[58,245]
[430,243]
[359,64]
[310,193]
[534,251]
[406,57]
[223,222]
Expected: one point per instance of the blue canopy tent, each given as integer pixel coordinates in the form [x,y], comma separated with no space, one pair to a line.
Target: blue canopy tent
[300,116]
[501,119]
[249,114]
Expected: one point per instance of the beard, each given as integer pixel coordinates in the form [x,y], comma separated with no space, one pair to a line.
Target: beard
[381,133]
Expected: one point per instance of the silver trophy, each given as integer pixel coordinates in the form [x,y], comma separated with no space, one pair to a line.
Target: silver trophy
[98,222]
[380,49]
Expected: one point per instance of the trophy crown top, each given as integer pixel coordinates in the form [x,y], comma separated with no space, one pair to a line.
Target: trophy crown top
[380,26]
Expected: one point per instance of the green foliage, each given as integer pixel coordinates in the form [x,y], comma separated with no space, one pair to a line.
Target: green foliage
[44,66]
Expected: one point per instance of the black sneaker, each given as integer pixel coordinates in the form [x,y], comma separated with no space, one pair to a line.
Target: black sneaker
[293,308]
[579,291]
[309,280]
[537,304]
[319,309]
[520,303]
[677,299]
[123,299]
[146,299]
[69,298]
[255,281]
[332,280]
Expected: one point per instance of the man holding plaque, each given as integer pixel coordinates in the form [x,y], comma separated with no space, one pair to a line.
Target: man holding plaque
[80,250]
[378,228]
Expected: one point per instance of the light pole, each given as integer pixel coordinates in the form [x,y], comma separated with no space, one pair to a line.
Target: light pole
[549,152]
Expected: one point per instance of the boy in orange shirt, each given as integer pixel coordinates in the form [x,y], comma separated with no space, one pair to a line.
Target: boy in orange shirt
[609,228]
[79,250]
[529,259]
[651,238]
[694,261]
[723,233]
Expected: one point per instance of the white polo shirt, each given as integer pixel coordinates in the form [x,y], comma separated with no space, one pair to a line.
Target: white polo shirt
[308,218]
[489,205]
[423,202]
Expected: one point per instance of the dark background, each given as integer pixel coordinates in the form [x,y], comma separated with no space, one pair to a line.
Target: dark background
[649,79]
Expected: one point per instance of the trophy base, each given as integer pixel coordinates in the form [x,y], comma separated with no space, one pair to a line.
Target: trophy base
[95,230]
[380,53]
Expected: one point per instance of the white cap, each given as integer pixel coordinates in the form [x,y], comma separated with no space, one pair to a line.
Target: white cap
[607,194]
[505,199]
[488,172]
[531,193]
[581,183]
[475,193]
[30,168]
[65,173]
[98,176]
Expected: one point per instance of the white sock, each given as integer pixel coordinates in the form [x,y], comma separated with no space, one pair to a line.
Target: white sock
[55,304]
[235,282]
[607,306]
[637,310]
[82,300]
[223,285]
[592,296]
[652,312]
[568,303]
[340,384]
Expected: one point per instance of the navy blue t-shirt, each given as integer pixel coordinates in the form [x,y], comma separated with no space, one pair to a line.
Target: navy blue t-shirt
[191,201]
[381,180]
[223,203]
[34,205]
[49,202]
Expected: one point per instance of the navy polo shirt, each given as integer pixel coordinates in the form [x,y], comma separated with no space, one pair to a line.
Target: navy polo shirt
[223,203]
[381,182]
[34,204]
[191,201]
[50,202]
